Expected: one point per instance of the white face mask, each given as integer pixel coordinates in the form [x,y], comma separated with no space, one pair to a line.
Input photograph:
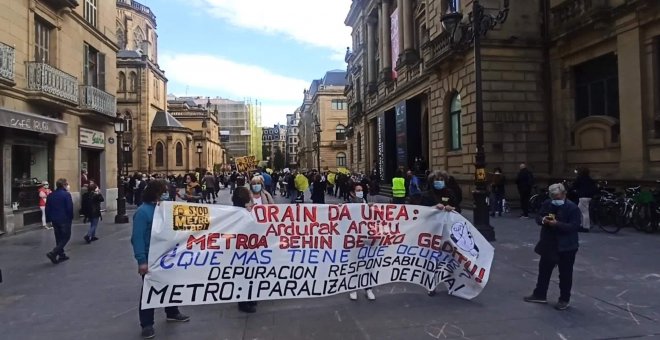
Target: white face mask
[68,187]
[359,194]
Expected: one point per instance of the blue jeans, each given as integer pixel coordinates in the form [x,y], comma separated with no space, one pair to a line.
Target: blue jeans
[495,202]
[93,223]
[147,315]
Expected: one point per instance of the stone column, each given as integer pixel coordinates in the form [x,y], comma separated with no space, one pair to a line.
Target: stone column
[633,146]
[408,32]
[371,50]
[386,52]
[401,33]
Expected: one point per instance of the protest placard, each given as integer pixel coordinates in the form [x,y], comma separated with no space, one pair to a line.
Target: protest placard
[204,254]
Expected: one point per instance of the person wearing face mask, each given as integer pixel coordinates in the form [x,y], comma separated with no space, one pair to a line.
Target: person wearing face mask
[154,193]
[242,197]
[357,196]
[259,193]
[560,221]
[59,212]
[92,211]
[398,188]
[44,191]
[439,194]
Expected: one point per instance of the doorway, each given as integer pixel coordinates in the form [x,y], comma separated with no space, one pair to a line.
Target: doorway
[90,160]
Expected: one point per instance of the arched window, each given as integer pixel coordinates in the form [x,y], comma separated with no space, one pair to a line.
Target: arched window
[122,82]
[341,159]
[455,123]
[121,39]
[359,147]
[129,122]
[160,154]
[179,154]
[133,81]
[138,37]
[341,132]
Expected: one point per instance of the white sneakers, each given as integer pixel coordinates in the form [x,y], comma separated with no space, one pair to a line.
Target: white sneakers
[370,295]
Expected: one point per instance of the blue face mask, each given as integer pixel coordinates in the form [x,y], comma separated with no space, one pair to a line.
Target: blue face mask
[165,197]
[439,185]
[558,202]
[256,188]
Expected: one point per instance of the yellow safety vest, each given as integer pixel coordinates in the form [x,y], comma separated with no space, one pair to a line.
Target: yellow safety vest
[398,187]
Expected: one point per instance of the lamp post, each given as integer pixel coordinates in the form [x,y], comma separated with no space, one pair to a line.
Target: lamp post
[199,155]
[462,36]
[150,151]
[120,128]
[318,130]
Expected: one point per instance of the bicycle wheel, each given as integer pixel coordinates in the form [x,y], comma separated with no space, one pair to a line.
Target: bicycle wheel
[610,218]
[594,207]
[534,206]
[639,216]
[651,223]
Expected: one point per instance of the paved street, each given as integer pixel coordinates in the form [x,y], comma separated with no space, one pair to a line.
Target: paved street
[95,294]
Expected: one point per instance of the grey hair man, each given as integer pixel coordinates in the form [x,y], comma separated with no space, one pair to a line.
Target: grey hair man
[560,220]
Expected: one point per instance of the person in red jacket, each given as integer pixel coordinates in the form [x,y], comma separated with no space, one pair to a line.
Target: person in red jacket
[44,191]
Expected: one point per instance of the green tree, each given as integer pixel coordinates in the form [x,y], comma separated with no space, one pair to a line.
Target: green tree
[278,161]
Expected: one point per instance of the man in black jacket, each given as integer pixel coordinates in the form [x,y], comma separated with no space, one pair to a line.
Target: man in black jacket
[560,220]
[525,182]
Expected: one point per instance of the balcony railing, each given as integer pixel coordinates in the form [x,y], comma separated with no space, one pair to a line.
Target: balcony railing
[97,100]
[7,58]
[48,79]
[576,13]
[138,7]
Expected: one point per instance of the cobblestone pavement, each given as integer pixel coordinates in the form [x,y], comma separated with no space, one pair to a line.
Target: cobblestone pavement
[95,295]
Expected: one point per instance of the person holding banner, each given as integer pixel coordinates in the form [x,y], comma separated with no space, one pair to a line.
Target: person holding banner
[154,193]
[259,194]
[357,196]
[242,198]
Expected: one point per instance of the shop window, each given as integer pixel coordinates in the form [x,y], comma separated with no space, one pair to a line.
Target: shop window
[122,82]
[455,123]
[341,159]
[42,37]
[29,167]
[597,88]
[94,68]
[179,154]
[339,104]
[160,154]
[340,132]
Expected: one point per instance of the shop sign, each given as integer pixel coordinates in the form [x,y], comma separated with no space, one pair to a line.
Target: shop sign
[92,138]
[32,122]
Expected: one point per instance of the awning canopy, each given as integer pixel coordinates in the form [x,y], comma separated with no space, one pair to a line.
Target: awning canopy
[32,122]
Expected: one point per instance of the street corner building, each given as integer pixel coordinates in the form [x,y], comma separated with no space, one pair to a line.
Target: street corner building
[57,102]
[563,84]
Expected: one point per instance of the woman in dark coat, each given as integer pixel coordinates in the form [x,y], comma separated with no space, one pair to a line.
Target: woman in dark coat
[242,198]
[438,193]
[318,190]
[92,210]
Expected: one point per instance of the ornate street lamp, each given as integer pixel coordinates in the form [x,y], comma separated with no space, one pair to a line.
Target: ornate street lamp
[120,128]
[127,153]
[199,155]
[150,151]
[462,36]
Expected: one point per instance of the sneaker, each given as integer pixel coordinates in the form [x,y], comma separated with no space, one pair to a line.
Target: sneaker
[49,227]
[247,307]
[148,332]
[352,296]
[87,239]
[52,257]
[178,318]
[535,299]
[370,295]
[94,238]
[432,292]
[62,258]
[561,305]
[524,216]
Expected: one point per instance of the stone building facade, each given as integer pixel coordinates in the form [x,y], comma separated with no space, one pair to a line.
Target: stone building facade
[272,139]
[292,138]
[412,97]
[324,119]
[57,101]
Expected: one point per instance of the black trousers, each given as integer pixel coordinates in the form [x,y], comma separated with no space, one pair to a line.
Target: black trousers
[62,236]
[524,201]
[547,264]
[147,315]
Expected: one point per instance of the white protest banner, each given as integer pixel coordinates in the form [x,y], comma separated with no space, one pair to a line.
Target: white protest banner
[204,254]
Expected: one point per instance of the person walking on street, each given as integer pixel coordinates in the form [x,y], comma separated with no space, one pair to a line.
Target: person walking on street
[59,212]
[497,192]
[318,190]
[44,191]
[92,211]
[209,182]
[585,188]
[525,183]
[302,184]
[560,221]
[399,188]
[143,219]
[413,187]
[357,197]
[232,182]
[193,192]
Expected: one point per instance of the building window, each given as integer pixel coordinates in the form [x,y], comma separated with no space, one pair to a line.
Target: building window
[341,159]
[94,68]
[179,154]
[138,38]
[454,5]
[90,12]
[42,41]
[341,132]
[129,122]
[339,104]
[359,147]
[597,88]
[122,82]
[31,162]
[121,39]
[160,154]
[133,82]
[455,122]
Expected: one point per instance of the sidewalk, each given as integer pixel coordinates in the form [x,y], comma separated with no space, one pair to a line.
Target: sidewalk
[94,296]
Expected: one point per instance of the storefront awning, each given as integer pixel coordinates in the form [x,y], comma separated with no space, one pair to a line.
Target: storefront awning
[32,122]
